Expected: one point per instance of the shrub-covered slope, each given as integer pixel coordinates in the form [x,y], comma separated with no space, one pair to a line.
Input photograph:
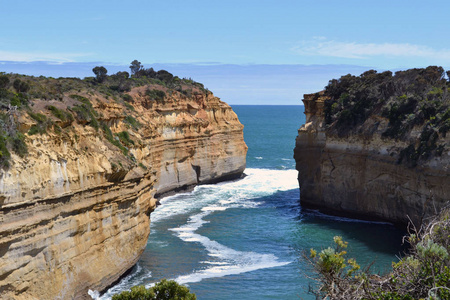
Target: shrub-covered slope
[415,102]
[64,100]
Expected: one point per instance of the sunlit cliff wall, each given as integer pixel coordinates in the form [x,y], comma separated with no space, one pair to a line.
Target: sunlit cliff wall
[359,174]
[75,211]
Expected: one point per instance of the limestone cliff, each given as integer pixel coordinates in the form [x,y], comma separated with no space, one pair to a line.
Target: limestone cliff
[356,168]
[75,210]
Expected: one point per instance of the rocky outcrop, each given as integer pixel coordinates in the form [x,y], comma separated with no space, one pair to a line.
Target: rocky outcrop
[75,211]
[360,175]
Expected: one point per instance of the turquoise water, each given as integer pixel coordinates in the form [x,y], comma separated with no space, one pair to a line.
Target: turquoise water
[245,239]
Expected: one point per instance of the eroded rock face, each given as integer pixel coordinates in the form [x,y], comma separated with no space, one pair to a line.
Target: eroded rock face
[75,212]
[360,176]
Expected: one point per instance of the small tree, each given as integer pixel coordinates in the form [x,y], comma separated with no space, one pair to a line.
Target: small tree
[100,73]
[164,76]
[4,81]
[21,86]
[16,84]
[135,67]
[122,75]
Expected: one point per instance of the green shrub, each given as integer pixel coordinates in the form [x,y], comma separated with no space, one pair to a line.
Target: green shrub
[86,113]
[129,106]
[4,81]
[124,137]
[133,122]
[18,144]
[127,98]
[423,273]
[116,142]
[81,99]
[156,94]
[60,114]
[164,290]
[5,155]
[42,123]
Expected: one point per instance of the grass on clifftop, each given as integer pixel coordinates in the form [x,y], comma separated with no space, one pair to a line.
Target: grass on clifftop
[18,94]
[415,100]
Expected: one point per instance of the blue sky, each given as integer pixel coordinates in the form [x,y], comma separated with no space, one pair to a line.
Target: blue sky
[246,52]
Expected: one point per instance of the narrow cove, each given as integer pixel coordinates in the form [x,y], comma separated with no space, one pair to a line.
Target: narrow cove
[245,239]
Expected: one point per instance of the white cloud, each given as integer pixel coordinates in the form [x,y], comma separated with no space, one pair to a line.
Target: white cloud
[321,46]
[48,57]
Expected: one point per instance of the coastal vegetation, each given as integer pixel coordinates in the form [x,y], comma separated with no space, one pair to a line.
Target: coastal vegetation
[414,103]
[422,274]
[163,290]
[73,100]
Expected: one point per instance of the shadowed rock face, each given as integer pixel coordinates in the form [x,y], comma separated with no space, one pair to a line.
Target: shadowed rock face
[360,176]
[75,212]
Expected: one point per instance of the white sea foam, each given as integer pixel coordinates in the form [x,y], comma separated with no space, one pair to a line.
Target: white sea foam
[205,200]
[214,262]
[213,208]
[258,157]
[227,261]
[131,280]
[240,193]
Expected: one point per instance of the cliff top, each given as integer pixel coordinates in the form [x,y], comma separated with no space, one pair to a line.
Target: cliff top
[31,106]
[411,106]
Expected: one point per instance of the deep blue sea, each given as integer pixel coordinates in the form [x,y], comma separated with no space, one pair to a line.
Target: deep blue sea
[246,239]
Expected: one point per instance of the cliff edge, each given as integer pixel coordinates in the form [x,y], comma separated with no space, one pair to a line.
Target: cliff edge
[376,146]
[82,161]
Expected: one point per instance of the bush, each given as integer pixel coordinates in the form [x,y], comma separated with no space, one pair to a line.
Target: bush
[60,114]
[85,112]
[124,137]
[164,290]
[116,142]
[156,94]
[18,144]
[424,273]
[4,81]
[81,99]
[21,86]
[133,122]
[4,153]
[42,123]
[127,98]
[164,76]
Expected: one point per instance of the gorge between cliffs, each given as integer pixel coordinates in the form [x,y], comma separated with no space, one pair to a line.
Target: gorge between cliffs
[85,164]
[75,204]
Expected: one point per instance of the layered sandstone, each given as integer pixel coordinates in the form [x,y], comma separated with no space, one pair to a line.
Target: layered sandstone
[75,212]
[360,175]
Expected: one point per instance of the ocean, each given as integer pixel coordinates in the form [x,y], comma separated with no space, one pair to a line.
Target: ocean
[246,239]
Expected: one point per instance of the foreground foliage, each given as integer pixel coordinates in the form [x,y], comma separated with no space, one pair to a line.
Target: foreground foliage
[423,274]
[164,290]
